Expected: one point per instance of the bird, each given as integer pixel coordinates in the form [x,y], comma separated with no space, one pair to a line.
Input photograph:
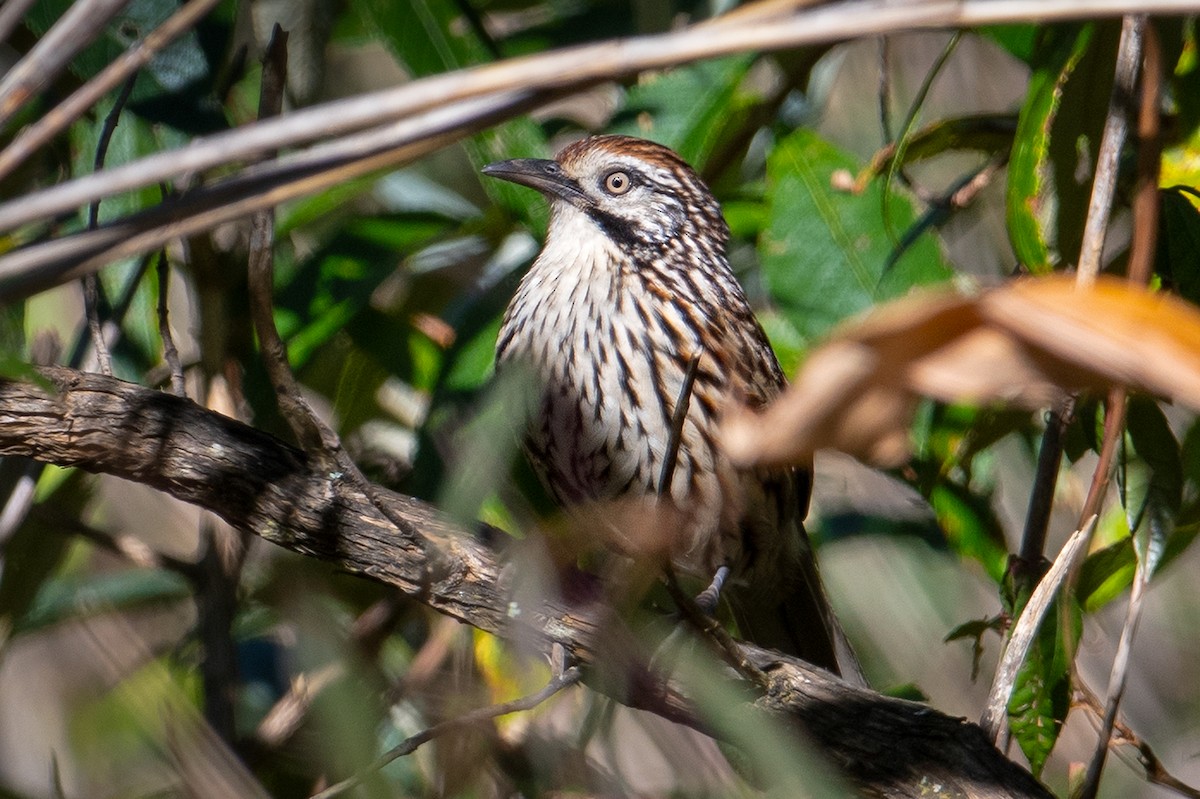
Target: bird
[640,338]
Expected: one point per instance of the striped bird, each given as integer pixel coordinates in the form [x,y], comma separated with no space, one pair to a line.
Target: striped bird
[640,338]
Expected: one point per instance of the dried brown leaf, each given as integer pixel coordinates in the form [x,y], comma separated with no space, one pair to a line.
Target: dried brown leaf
[1025,343]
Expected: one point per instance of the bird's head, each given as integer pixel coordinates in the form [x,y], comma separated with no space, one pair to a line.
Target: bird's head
[641,194]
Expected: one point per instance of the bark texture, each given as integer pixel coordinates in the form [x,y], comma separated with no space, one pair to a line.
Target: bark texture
[887,747]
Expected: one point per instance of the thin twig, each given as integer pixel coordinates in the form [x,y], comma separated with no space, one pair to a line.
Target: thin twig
[1156,773]
[82,22]
[1112,142]
[11,14]
[1141,259]
[170,352]
[20,500]
[1114,424]
[706,624]
[565,70]
[130,547]
[569,677]
[57,119]
[1149,149]
[678,418]
[111,120]
[1117,678]
[92,290]
[885,89]
[317,438]
[92,300]
[1041,498]
[261,279]
[896,163]
[366,634]
[964,193]
[43,265]
[1024,631]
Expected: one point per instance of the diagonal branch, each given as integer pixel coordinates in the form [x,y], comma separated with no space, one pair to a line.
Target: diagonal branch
[889,747]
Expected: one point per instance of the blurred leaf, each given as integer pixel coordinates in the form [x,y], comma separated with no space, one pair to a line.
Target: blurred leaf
[30,558]
[785,339]
[428,36]
[486,448]
[1149,474]
[759,747]
[121,729]
[1025,343]
[1189,458]
[683,108]
[336,283]
[176,86]
[1058,134]
[986,133]
[745,217]
[66,598]
[472,360]
[38,547]
[971,527]
[974,631]
[1105,575]
[1020,40]
[13,362]
[1178,257]
[433,36]
[1183,81]
[824,250]
[908,691]
[957,434]
[1042,693]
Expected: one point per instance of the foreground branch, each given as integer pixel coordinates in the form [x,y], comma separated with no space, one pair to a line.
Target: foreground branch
[889,747]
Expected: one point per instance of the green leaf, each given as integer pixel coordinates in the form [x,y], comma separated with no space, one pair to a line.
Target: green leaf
[66,598]
[684,108]
[986,133]
[1058,134]
[336,283]
[433,36]
[176,86]
[1189,458]
[1042,691]
[427,36]
[13,363]
[974,631]
[1150,477]
[1020,40]
[970,526]
[1105,575]
[1177,259]
[824,251]
[785,340]
[1108,572]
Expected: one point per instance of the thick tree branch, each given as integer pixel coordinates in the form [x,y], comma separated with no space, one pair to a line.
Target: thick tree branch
[889,747]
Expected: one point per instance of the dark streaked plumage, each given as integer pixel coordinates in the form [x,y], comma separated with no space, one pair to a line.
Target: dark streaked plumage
[632,284]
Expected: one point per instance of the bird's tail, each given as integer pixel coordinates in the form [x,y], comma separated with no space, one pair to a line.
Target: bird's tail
[797,621]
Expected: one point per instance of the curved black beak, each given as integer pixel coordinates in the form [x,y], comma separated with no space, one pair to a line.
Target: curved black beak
[538,173]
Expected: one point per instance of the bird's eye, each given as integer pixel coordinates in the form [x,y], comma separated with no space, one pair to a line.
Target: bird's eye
[617,182]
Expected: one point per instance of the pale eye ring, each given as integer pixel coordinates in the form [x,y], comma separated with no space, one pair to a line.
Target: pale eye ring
[617,182]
